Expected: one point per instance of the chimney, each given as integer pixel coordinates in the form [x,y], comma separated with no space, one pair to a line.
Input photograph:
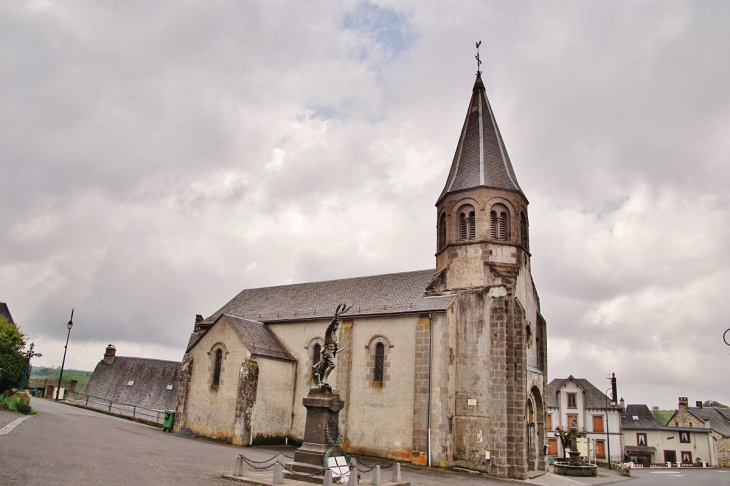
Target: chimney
[683,402]
[623,404]
[198,320]
[613,389]
[698,404]
[109,354]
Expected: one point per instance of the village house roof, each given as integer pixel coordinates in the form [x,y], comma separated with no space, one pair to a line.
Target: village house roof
[258,338]
[717,419]
[150,382]
[639,417]
[393,293]
[481,157]
[594,398]
[5,311]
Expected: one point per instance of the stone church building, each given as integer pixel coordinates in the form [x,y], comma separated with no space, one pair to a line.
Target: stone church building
[444,367]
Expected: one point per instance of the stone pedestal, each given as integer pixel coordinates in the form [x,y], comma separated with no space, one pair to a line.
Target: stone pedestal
[323,406]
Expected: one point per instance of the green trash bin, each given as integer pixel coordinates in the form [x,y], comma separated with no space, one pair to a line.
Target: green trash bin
[169,421]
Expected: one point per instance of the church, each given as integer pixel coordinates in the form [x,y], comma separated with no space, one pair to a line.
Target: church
[443,367]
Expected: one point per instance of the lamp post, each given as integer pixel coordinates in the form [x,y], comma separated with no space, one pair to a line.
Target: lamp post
[608,435]
[65,348]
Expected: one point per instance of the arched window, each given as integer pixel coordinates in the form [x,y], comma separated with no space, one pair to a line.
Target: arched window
[217,369]
[316,353]
[467,220]
[499,223]
[442,232]
[523,230]
[379,362]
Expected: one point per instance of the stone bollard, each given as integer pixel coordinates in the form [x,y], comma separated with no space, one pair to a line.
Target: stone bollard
[278,473]
[238,468]
[353,480]
[327,478]
[376,476]
[396,472]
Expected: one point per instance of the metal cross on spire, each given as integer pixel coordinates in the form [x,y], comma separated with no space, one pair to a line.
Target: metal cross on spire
[479,61]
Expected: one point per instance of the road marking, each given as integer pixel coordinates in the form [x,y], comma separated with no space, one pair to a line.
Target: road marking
[12,425]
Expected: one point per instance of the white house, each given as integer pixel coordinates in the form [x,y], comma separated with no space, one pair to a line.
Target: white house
[575,402]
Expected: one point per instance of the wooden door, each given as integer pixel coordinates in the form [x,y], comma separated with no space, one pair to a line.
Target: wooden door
[600,450]
[670,456]
[552,447]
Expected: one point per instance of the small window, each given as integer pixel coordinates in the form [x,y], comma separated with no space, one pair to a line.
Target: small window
[499,222]
[641,439]
[442,232]
[217,370]
[684,437]
[598,423]
[635,418]
[467,222]
[169,387]
[523,230]
[130,383]
[686,457]
[379,362]
[572,402]
[316,353]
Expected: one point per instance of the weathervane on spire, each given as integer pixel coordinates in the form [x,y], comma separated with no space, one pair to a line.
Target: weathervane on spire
[479,61]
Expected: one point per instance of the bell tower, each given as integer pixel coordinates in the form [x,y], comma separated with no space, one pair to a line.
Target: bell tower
[483,256]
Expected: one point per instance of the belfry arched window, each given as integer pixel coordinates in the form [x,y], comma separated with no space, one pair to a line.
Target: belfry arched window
[442,232]
[467,222]
[217,368]
[316,353]
[523,230]
[499,222]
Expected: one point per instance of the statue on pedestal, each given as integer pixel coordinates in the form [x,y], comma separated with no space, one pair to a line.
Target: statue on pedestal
[322,369]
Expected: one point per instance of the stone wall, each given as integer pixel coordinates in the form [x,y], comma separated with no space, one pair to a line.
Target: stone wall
[684,418]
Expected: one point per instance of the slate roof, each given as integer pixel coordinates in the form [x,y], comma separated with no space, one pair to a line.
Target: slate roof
[646,419]
[594,398]
[4,311]
[394,293]
[718,421]
[150,376]
[481,157]
[258,338]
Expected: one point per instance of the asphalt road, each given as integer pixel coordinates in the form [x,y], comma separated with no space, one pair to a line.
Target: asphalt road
[65,445]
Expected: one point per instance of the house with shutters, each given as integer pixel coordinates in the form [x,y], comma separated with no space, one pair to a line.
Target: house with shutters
[445,366]
[716,419]
[576,402]
[646,442]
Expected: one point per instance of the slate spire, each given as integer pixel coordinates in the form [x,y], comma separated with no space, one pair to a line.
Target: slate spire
[481,158]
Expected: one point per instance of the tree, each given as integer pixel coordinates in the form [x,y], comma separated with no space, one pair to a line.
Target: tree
[564,436]
[12,361]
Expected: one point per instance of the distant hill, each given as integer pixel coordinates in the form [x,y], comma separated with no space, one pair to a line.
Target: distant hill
[713,403]
[41,372]
[662,416]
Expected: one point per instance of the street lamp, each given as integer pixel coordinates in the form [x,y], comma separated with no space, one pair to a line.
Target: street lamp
[69,325]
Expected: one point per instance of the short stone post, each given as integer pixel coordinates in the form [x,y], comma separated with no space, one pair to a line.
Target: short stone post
[278,473]
[353,480]
[396,472]
[376,476]
[327,478]
[238,468]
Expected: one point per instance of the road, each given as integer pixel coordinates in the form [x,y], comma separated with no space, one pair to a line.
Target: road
[65,445]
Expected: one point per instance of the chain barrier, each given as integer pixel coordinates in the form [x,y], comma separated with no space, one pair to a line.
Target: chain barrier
[366,469]
[267,460]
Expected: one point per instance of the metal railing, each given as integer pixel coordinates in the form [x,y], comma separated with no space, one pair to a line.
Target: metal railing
[119,409]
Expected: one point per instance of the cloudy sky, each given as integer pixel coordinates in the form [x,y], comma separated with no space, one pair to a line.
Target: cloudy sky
[158,157]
